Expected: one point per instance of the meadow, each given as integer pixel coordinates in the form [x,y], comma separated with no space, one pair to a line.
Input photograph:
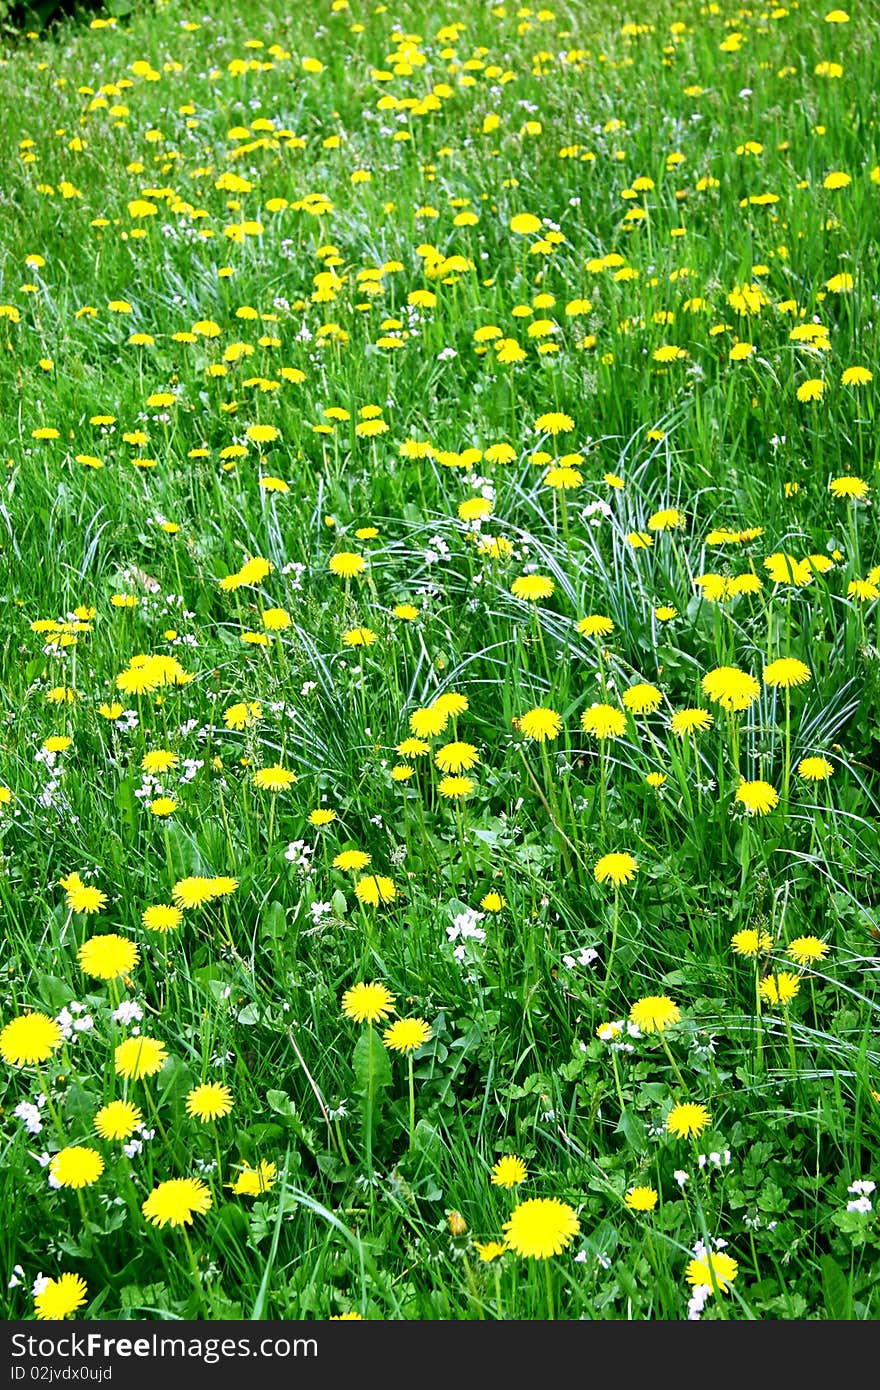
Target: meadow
[439,765]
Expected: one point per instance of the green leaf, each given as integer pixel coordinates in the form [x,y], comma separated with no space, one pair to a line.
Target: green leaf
[126,804]
[633,1131]
[376,1072]
[280,1102]
[836,1290]
[274,923]
[54,992]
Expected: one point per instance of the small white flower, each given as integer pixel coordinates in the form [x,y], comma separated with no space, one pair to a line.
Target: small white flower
[862,1187]
[860,1204]
[129,1011]
[697,1301]
[30,1115]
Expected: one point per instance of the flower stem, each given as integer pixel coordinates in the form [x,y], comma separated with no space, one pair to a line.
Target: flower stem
[548,1275]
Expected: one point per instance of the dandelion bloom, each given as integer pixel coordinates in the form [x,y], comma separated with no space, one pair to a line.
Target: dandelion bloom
[243,714]
[174,1202]
[251,1182]
[375,889]
[806,949]
[210,1101]
[540,1228]
[641,1198]
[524,223]
[83,897]
[359,637]
[687,1119]
[76,1166]
[532,587]
[161,917]
[509,1171]
[193,892]
[749,942]
[865,590]
[451,703]
[812,390]
[615,868]
[714,1264]
[785,569]
[118,1119]
[493,902]
[262,434]
[849,487]
[108,957]
[58,1298]
[690,721]
[642,698]
[406,1034]
[456,757]
[274,779]
[779,988]
[654,1013]
[540,724]
[758,797]
[368,1002]
[29,1039]
[455,788]
[669,518]
[490,1250]
[814,769]
[595,625]
[348,859]
[346,564]
[323,816]
[162,806]
[427,722]
[563,478]
[159,760]
[856,376]
[786,672]
[412,748]
[603,721]
[730,687]
[139,1056]
[554,422]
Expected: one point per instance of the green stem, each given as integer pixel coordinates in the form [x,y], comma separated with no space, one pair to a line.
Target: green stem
[672,1061]
[194,1270]
[368,1108]
[614,925]
[548,1275]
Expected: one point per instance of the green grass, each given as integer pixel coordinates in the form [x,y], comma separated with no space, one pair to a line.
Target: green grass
[121,145]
